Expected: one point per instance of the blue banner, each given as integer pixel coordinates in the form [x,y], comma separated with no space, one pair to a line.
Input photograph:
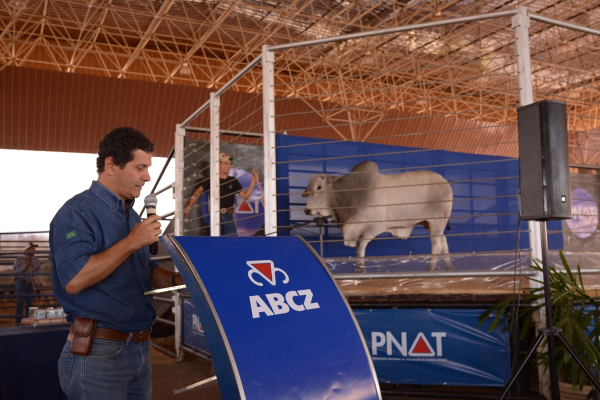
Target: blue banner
[435,347]
[193,331]
[276,323]
[418,346]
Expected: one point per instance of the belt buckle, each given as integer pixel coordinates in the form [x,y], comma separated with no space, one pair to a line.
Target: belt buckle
[223,211]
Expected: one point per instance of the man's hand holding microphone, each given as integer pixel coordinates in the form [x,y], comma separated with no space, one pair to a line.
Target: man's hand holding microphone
[146,232]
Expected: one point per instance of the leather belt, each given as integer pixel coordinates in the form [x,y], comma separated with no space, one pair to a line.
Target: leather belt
[111,334]
[226,210]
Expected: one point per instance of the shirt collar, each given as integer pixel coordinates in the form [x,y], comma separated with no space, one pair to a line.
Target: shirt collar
[111,199]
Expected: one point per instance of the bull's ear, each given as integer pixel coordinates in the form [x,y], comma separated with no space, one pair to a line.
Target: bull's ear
[305,193]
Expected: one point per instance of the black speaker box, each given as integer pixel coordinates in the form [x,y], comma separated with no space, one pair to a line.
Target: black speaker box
[544,161]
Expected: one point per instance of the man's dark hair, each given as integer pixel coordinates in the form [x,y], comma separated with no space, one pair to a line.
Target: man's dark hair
[120,144]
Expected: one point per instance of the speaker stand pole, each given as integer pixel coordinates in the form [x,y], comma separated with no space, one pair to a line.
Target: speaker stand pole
[320,223]
[551,333]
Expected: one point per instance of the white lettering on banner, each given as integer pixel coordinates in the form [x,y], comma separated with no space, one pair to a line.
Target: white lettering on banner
[289,297]
[391,340]
[308,301]
[580,212]
[196,325]
[438,341]
[258,305]
[280,304]
[377,340]
[420,346]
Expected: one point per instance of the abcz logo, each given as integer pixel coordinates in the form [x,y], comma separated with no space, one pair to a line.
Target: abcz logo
[276,303]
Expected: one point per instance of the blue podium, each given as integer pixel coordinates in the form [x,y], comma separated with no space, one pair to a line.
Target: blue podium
[276,324]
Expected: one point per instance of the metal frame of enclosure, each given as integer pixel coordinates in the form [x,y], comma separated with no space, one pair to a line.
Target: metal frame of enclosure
[520,20]
[274,89]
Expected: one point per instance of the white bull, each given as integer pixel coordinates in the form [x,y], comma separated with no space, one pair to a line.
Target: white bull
[366,203]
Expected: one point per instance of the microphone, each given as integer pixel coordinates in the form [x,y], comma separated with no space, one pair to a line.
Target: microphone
[150,202]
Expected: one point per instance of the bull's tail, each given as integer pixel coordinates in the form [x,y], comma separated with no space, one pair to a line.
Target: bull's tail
[448,227]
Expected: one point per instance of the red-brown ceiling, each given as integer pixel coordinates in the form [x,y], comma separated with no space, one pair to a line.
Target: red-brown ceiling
[56,111]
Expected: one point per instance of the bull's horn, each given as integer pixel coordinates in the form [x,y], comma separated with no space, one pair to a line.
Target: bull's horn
[305,193]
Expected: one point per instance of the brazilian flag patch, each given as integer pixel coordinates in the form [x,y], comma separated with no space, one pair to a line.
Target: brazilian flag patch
[71,235]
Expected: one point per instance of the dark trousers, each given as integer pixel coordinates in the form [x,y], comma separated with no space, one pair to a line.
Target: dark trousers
[227,225]
[23,287]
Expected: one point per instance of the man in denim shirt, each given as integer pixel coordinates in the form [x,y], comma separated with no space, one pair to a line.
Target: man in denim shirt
[101,267]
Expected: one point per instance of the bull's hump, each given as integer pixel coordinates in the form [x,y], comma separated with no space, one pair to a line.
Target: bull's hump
[366,166]
[423,176]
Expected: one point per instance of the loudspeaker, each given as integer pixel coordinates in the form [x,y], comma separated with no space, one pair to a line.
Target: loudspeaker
[545,183]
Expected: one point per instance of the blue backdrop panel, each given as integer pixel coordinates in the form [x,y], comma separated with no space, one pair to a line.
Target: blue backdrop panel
[484,187]
[193,330]
[435,347]
[276,323]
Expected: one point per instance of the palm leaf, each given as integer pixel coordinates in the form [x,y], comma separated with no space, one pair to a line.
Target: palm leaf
[580,326]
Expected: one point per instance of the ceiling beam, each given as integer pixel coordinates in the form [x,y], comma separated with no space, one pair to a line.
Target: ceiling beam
[213,28]
[156,21]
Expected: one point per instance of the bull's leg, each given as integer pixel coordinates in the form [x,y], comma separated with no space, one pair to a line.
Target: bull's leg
[436,249]
[447,260]
[439,245]
[352,233]
[361,248]
[370,232]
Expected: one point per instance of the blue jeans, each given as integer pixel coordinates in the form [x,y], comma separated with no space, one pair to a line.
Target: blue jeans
[227,225]
[114,370]
[23,287]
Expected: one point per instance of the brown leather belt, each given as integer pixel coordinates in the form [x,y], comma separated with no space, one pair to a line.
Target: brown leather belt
[111,334]
[226,210]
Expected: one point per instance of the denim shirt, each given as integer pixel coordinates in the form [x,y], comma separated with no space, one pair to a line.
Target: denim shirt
[88,224]
[20,265]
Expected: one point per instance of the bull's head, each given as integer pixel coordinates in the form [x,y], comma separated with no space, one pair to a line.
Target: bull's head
[320,196]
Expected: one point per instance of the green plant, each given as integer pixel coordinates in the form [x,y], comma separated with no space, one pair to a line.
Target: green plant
[573,311]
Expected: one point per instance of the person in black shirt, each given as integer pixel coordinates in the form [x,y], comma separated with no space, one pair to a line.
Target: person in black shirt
[229,187]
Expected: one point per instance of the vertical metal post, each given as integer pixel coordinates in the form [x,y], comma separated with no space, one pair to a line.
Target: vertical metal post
[215,146]
[548,299]
[268,70]
[520,24]
[179,168]
[178,314]
[321,240]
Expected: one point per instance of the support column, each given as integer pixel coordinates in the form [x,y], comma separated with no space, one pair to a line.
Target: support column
[215,147]
[520,24]
[179,168]
[268,61]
